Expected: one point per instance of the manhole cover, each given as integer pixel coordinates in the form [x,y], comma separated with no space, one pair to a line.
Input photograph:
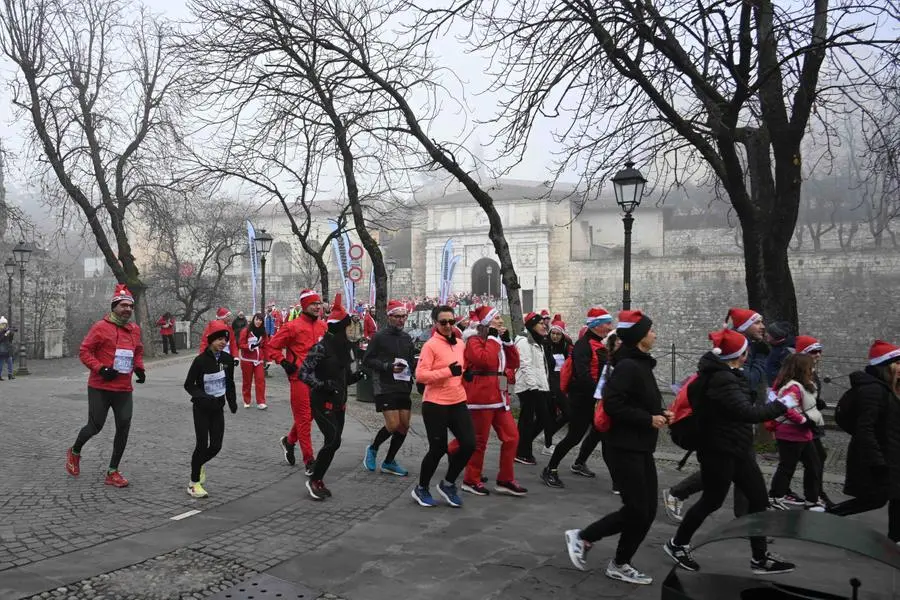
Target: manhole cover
[266,587]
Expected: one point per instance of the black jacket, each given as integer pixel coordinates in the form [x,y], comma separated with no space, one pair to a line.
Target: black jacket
[873,456]
[206,363]
[721,400]
[386,345]
[326,370]
[564,348]
[631,398]
[588,357]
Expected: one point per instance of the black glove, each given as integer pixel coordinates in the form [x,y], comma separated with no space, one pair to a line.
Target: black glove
[358,376]
[289,367]
[329,390]
[141,375]
[108,373]
[237,362]
[232,405]
[493,332]
[505,336]
[455,369]
[468,376]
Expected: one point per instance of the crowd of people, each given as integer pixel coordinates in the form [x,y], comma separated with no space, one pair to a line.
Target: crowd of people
[598,385]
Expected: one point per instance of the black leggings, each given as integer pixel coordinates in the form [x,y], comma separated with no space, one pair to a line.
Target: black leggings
[789,454]
[862,504]
[581,419]
[209,427]
[331,423]
[718,471]
[534,419]
[635,473]
[99,403]
[438,419]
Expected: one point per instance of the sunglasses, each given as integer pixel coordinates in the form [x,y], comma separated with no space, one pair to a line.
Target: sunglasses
[447,322]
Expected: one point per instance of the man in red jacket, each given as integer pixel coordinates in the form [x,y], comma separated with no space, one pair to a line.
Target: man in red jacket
[112,350]
[295,338]
[166,326]
[222,322]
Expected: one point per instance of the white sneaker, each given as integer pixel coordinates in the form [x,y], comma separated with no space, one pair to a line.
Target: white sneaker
[673,506]
[577,548]
[548,450]
[627,573]
[262,406]
[247,405]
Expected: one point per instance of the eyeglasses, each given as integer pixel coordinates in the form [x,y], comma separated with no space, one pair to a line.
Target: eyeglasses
[126,305]
[398,316]
[447,322]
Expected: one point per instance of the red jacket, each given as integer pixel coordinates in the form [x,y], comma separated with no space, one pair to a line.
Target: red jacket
[369,327]
[297,337]
[279,319]
[259,353]
[219,325]
[489,356]
[99,350]
[166,326]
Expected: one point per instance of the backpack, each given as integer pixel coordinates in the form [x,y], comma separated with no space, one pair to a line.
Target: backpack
[685,426]
[845,411]
[565,375]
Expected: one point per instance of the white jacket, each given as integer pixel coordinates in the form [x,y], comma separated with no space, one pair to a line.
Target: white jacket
[532,373]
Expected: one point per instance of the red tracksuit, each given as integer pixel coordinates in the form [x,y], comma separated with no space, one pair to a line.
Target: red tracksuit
[296,338]
[489,405]
[253,365]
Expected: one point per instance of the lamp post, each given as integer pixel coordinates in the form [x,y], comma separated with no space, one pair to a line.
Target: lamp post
[23,255]
[263,243]
[390,264]
[490,271]
[629,187]
[10,266]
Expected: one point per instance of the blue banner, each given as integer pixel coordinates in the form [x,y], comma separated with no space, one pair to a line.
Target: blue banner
[254,260]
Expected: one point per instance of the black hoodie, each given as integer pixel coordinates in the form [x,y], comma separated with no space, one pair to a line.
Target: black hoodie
[327,367]
[631,398]
[873,456]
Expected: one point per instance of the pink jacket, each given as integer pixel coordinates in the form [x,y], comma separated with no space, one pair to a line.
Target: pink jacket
[433,370]
[792,427]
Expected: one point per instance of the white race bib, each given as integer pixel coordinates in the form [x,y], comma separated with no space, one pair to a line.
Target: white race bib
[598,392]
[405,374]
[214,384]
[124,361]
[253,342]
[560,360]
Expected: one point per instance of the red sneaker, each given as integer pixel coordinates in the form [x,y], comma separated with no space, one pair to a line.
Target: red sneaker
[73,463]
[115,479]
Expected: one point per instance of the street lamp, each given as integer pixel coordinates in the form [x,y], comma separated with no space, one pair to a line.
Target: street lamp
[390,264]
[629,187]
[490,271]
[23,255]
[263,243]
[10,266]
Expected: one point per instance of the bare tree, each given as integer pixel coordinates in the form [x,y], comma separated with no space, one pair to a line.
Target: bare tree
[101,94]
[688,88]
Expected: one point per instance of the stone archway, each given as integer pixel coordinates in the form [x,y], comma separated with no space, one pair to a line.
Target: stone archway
[482,283]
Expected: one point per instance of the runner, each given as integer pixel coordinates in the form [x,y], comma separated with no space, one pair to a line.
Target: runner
[210,382]
[111,351]
[295,338]
[221,322]
[391,357]
[254,349]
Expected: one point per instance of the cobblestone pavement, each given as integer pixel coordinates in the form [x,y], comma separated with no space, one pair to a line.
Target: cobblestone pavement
[62,537]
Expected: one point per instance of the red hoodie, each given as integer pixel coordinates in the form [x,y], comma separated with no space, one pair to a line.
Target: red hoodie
[99,350]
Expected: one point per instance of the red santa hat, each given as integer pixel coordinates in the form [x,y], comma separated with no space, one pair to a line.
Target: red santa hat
[396,307]
[338,313]
[883,353]
[222,313]
[806,344]
[633,325]
[122,293]
[485,314]
[545,314]
[597,315]
[728,344]
[558,325]
[740,319]
[308,297]
[532,319]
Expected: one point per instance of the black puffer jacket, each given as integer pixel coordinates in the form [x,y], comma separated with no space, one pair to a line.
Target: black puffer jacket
[723,404]
[326,370]
[386,345]
[873,456]
[631,398]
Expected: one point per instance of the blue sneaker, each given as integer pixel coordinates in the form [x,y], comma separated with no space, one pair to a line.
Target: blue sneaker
[370,458]
[393,468]
[423,497]
[448,491]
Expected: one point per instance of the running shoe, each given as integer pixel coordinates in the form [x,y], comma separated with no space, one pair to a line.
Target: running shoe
[477,489]
[310,466]
[450,494]
[778,503]
[392,468]
[792,499]
[550,477]
[73,463]
[510,488]
[681,555]
[525,460]
[195,490]
[814,507]
[578,548]
[627,573]
[423,497]
[370,459]
[288,449]
[772,564]
[548,450]
[202,475]
[582,470]
[115,479]
[262,406]
[247,405]
[673,506]
[317,489]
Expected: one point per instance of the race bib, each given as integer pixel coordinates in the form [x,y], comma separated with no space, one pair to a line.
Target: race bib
[560,359]
[214,384]
[123,361]
[405,374]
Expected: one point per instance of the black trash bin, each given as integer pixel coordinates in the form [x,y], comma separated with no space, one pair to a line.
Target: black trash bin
[365,392]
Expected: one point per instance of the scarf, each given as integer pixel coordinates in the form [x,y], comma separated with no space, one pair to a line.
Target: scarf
[115,320]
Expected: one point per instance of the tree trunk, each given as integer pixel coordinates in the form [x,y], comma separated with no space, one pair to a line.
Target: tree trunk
[142,317]
[323,273]
[770,286]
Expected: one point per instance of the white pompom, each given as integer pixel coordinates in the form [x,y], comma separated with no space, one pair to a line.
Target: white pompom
[717,351]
